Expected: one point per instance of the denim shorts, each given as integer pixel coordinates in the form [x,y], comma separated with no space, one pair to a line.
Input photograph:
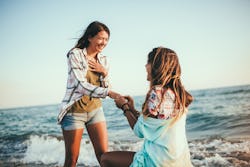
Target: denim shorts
[72,121]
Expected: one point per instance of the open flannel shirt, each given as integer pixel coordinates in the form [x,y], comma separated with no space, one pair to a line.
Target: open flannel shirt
[77,84]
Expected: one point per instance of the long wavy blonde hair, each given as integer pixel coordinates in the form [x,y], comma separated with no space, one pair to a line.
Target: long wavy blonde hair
[166,72]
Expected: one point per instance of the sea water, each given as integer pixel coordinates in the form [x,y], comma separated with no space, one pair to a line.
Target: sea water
[218,131]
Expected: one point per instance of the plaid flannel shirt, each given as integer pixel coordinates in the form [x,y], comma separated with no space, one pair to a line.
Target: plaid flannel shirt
[77,84]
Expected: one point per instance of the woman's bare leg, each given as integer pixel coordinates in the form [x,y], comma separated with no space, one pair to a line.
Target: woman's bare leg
[72,140]
[117,158]
[99,138]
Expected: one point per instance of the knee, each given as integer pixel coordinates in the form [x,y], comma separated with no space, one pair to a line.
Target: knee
[104,161]
[108,161]
[99,155]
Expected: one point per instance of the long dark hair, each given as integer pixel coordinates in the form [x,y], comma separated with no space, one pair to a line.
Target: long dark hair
[166,72]
[92,30]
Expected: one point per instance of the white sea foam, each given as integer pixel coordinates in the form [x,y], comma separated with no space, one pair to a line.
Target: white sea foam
[217,160]
[217,152]
[50,150]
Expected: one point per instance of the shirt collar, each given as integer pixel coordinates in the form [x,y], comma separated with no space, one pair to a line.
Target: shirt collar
[85,54]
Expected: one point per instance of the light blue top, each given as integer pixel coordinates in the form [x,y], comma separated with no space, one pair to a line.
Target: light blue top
[164,145]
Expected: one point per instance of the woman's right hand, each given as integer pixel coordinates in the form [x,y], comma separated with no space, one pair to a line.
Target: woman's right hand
[121,102]
[130,102]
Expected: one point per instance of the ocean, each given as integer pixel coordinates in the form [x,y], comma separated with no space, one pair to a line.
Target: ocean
[218,131]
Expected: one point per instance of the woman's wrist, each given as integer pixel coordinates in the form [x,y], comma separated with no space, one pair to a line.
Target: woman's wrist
[111,94]
[125,107]
[135,112]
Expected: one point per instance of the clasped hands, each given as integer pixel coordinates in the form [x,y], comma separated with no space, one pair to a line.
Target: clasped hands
[122,102]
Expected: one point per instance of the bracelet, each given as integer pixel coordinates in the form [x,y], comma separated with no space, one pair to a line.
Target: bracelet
[123,106]
[124,111]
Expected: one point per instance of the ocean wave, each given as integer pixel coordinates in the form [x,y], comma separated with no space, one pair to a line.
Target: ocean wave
[215,151]
[237,91]
[30,136]
[50,150]
[219,152]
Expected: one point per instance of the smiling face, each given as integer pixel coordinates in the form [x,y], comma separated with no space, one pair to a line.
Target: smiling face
[99,41]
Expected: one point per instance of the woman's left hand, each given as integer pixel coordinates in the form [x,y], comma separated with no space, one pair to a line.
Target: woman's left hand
[120,101]
[97,67]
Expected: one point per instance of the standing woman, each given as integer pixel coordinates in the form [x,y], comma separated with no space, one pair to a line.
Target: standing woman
[87,83]
[163,118]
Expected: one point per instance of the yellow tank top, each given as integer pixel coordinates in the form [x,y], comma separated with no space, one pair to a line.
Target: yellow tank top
[87,103]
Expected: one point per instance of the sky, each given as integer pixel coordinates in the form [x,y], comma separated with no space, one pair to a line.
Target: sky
[211,38]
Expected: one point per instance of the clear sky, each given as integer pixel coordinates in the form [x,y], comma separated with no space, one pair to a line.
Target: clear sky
[212,39]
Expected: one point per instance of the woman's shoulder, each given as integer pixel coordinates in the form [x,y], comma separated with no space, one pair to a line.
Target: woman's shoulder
[156,89]
[159,90]
[75,52]
[170,93]
[155,94]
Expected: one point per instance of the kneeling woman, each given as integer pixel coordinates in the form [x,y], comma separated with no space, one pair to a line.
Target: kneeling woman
[163,118]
